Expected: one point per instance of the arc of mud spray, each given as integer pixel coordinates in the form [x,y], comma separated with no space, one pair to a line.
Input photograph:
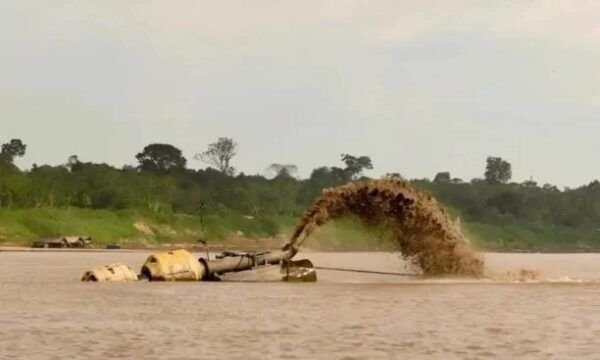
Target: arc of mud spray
[422,230]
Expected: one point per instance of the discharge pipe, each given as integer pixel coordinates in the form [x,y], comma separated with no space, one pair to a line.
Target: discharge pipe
[245,262]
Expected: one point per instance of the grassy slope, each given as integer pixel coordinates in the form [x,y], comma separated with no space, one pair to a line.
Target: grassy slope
[22,226]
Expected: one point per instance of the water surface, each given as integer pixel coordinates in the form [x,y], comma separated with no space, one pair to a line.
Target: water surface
[46,313]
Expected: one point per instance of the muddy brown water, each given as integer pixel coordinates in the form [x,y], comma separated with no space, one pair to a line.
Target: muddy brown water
[46,313]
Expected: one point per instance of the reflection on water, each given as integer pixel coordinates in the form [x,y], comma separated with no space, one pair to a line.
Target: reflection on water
[46,313]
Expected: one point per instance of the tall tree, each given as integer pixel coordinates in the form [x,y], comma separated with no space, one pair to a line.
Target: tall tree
[161,158]
[285,171]
[442,177]
[497,171]
[12,149]
[219,155]
[73,163]
[393,176]
[355,165]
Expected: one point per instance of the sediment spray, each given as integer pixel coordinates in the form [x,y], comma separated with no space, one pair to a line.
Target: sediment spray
[422,230]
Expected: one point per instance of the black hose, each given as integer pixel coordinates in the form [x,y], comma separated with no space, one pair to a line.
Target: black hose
[366,271]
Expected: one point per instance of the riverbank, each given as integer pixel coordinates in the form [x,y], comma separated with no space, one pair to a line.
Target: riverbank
[219,248]
[135,229]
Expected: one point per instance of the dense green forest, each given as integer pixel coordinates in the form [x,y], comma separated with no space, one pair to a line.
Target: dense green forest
[161,200]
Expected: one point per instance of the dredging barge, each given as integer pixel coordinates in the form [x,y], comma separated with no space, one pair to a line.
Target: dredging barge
[180,265]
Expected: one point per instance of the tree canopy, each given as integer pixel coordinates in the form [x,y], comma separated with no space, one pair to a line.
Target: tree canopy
[161,158]
[162,183]
[283,170]
[12,149]
[497,171]
[219,155]
[442,177]
[355,165]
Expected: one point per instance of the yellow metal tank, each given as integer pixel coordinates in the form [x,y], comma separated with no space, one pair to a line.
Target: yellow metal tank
[176,265]
[110,273]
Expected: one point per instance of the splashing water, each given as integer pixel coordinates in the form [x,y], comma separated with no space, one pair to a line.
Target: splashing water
[422,230]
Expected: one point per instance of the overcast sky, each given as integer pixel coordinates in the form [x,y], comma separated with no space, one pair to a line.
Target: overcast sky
[420,86]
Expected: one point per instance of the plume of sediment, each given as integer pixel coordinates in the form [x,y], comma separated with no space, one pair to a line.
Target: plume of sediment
[422,230]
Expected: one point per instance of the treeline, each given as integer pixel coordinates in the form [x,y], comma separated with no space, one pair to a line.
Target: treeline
[161,182]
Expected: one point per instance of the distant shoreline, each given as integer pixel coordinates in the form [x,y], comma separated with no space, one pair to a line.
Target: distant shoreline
[218,248]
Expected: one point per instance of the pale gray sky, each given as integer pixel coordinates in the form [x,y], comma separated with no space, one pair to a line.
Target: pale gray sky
[420,86]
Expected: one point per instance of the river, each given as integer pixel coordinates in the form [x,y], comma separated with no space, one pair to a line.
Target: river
[47,313]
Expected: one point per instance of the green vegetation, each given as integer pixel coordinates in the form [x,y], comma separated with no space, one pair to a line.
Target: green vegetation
[162,201]
[21,226]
